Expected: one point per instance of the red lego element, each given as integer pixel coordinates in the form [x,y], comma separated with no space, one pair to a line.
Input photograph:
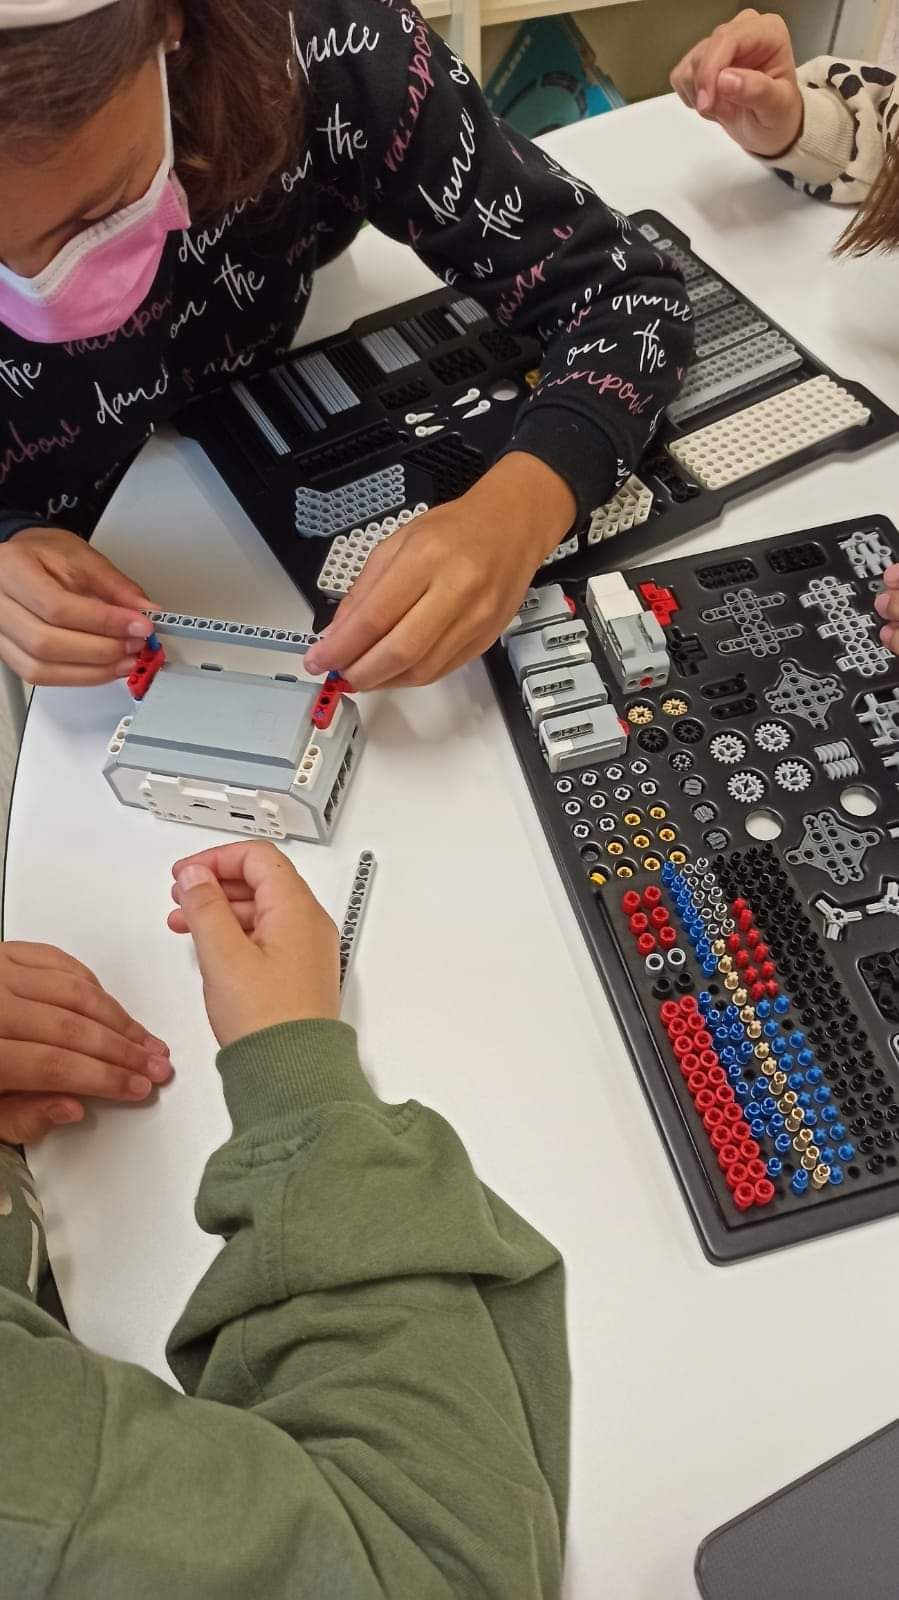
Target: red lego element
[736,1153]
[652,895]
[646,944]
[330,695]
[570,604]
[630,902]
[662,602]
[146,666]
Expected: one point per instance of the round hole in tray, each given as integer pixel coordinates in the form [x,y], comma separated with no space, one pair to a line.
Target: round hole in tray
[858,801]
[763,824]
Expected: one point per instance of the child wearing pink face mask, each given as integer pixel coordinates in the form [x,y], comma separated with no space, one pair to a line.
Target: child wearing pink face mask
[172,176]
[828,129]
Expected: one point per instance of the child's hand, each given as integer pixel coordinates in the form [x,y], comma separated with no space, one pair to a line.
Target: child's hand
[62,1038]
[744,76]
[267,951]
[67,616]
[887,606]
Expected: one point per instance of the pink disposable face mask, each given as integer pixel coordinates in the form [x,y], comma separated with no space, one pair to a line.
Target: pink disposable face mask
[100,277]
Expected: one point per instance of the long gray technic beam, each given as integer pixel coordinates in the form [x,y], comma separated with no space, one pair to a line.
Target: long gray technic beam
[183,626]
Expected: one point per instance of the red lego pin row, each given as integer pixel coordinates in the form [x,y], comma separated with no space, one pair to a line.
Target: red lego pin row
[737,1153]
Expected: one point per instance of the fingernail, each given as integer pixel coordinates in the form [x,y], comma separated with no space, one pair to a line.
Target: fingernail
[61,1114]
[886,637]
[703,100]
[134,646]
[159,1068]
[139,1087]
[729,82]
[140,630]
[158,1046]
[192,877]
[882,605]
[311,665]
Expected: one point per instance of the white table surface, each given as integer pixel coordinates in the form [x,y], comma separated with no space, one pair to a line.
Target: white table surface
[697,1389]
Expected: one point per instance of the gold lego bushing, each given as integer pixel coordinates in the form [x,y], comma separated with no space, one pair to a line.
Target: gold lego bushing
[820,1176]
[615,847]
[726,964]
[802,1139]
[777,1082]
[624,870]
[762,1050]
[677,857]
[808,1162]
[632,819]
[793,1120]
[667,834]
[789,1100]
[718,947]
[754,1029]
[740,997]
[748,1014]
[731,980]
[658,813]
[641,841]
[652,864]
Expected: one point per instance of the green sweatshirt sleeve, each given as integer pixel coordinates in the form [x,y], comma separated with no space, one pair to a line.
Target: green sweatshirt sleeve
[375,1367]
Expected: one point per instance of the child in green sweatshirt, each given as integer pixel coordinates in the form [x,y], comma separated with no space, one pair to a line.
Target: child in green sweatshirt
[375,1369]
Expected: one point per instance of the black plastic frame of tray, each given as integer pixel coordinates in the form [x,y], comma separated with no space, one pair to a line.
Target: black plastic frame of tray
[721,1244]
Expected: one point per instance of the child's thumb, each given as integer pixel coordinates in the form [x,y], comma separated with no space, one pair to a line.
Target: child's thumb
[215,930]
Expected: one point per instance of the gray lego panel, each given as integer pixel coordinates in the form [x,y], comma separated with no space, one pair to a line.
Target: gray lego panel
[851,628]
[539,606]
[733,371]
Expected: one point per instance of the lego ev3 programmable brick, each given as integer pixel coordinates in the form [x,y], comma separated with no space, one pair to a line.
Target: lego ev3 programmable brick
[236,752]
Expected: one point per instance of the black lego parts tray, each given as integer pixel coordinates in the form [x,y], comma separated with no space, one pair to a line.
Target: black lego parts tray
[753,819]
[408,407]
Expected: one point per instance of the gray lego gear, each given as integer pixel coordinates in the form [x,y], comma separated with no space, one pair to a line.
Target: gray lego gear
[728,748]
[800,693]
[838,760]
[352,921]
[794,776]
[774,737]
[848,626]
[833,846]
[746,609]
[746,787]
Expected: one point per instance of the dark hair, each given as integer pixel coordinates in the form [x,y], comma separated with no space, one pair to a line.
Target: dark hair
[236,106]
[876,225]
